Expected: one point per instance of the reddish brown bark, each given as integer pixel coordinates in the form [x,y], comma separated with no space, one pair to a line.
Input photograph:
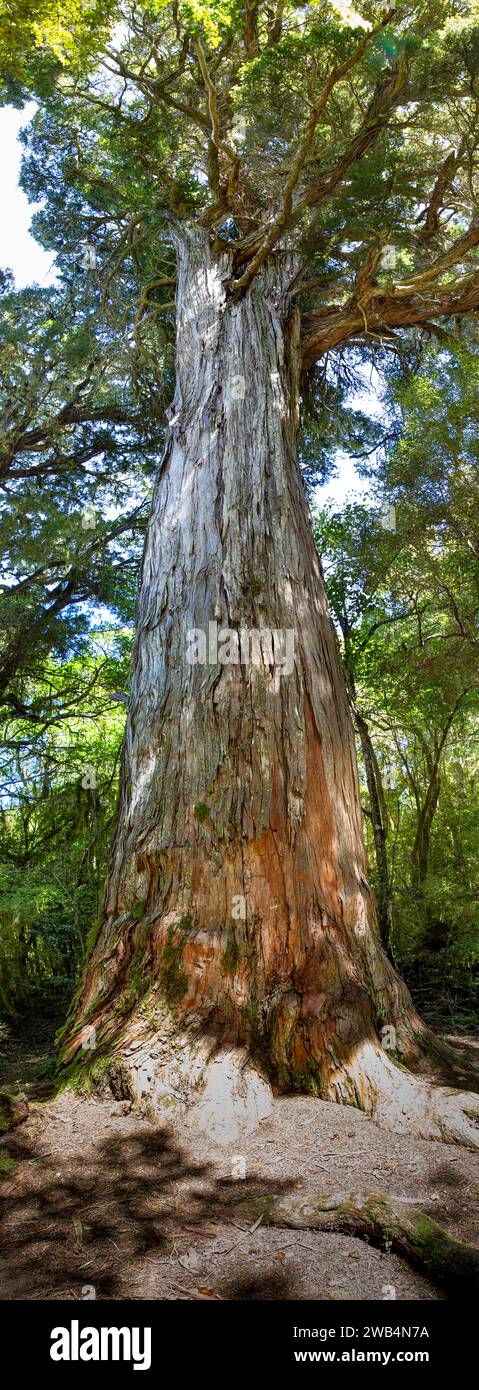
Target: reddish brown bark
[237,906]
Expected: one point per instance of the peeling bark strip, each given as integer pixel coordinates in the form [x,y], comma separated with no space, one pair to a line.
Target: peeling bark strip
[386,1221]
[239,789]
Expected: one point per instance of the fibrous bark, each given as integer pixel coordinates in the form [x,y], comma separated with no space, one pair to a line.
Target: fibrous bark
[238,914]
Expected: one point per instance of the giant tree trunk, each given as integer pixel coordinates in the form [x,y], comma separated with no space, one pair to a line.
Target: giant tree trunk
[238,920]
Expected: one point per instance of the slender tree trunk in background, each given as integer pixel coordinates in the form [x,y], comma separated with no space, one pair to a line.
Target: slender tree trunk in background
[434,931]
[238,922]
[422,840]
[379,824]
[426,810]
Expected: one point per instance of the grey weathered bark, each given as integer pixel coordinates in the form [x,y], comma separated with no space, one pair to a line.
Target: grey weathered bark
[237,908]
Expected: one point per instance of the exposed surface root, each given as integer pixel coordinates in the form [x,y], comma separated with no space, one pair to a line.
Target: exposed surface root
[224,1091]
[101,1194]
[385,1221]
[407,1104]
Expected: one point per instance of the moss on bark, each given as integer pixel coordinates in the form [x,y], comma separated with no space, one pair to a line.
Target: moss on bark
[385,1221]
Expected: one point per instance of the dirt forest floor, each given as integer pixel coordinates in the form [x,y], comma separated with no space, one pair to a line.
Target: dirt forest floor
[101,1201]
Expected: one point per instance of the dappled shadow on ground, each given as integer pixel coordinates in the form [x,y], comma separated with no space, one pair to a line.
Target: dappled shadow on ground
[142,1212]
[130,1197]
[454,1197]
[86,1209]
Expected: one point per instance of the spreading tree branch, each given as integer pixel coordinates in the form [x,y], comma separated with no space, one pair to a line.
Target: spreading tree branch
[372,310]
[281,221]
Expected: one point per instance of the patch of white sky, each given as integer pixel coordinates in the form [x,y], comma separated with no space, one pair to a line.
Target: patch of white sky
[19,252]
[345,482]
[31,264]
